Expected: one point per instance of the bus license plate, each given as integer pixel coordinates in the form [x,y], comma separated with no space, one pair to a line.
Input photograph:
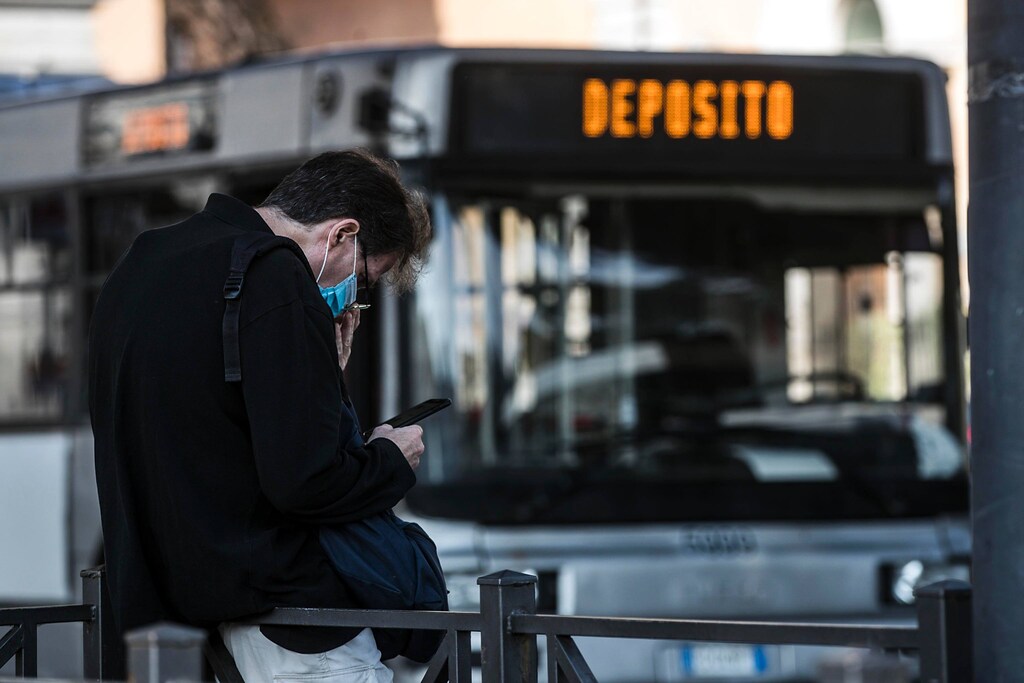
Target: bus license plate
[713,661]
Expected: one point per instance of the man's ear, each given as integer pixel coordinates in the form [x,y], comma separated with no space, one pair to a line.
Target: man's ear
[345,227]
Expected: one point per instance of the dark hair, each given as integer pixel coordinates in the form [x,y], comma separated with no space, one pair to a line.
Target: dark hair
[361,185]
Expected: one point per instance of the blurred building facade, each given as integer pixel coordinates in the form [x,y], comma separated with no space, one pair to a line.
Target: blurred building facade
[139,40]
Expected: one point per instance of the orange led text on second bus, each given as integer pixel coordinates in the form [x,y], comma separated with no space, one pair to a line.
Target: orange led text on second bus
[627,108]
[155,129]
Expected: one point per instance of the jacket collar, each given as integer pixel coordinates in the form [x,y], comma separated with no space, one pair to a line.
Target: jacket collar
[235,212]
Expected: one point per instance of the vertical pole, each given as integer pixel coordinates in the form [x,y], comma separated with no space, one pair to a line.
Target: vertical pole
[165,652]
[102,652]
[995,53]
[952,313]
[944,622]
[507,657]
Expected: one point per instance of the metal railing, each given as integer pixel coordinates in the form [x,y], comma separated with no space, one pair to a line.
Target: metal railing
[509,628]
[21,639]
[103,657]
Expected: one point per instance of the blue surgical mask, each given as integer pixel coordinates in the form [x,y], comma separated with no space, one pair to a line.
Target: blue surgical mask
[342,295]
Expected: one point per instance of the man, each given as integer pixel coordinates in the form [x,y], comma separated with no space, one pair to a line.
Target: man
[212,492]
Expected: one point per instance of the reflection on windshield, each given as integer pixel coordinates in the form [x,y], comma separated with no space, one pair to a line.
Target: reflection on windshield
[682,339]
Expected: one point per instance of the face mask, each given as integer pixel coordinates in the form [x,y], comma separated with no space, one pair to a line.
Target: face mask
[342,295]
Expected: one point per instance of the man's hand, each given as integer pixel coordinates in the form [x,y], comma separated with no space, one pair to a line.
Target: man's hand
[408,439]
[344,329]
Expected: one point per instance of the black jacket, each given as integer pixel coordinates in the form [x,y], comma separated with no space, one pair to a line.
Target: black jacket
[211,493]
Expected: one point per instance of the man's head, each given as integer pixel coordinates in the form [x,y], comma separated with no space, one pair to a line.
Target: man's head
[343,199]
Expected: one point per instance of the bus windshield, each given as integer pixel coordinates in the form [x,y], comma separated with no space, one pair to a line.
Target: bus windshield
[621,358]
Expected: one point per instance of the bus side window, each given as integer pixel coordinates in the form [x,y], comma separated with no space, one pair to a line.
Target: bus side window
[34,241]
[35,311]
[114,220]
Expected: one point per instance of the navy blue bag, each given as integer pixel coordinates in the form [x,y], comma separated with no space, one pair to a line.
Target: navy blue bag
[388,563]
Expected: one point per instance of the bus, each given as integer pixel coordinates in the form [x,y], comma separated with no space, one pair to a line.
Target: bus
[698,314]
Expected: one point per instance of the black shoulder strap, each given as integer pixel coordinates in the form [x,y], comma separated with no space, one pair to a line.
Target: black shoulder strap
[245,250]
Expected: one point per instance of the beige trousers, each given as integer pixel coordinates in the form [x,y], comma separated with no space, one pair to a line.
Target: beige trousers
[261,660]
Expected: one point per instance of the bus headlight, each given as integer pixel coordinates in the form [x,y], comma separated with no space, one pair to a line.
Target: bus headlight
[909,576]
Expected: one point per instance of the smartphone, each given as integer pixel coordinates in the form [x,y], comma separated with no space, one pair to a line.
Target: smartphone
[415,414]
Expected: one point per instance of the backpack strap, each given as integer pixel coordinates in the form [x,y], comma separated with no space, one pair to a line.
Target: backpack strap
[244,251]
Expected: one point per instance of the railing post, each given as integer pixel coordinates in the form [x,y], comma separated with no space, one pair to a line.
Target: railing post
[165,652]
[26,662]
[944,621]
[102,651]
[507,657]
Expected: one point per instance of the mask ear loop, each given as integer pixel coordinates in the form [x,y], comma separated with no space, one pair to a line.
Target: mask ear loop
[326,251]
[355,252]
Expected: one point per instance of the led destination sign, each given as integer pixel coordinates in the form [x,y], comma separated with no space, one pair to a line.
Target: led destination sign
[148,124]
[736,117]
[160,128]
[625,108]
